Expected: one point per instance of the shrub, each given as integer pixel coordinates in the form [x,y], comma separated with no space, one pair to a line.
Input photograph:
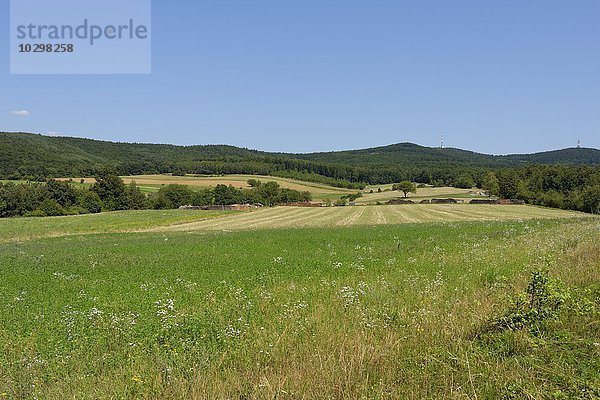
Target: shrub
[541,302]
[51,208]
[35,213]
[90,202]
[176,195]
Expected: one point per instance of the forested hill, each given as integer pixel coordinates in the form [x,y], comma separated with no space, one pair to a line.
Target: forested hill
[409,153]
[572,156]
[406,154]
[25,155]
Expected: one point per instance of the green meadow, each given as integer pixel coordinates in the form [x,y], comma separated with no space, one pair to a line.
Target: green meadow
[468,309]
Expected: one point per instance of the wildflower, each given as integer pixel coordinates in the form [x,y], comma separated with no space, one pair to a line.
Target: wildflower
[352,296]
[232,332]
[93,313]
[21,296]
[166,311]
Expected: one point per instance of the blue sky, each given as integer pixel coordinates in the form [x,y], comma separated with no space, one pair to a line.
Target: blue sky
[496,76]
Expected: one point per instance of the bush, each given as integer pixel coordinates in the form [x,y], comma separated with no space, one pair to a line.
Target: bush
[36,213]
[75,210]
[51,208]
[253,183]
[541,302]
[90,202]
[175,195]
[464,182]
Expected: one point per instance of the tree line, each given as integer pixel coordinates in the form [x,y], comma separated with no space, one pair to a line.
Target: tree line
[110,193]
[572,188]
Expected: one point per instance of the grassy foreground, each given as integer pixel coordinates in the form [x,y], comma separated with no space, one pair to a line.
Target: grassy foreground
[390,311]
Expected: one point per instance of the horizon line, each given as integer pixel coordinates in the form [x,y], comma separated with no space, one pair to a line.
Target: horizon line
[292,152]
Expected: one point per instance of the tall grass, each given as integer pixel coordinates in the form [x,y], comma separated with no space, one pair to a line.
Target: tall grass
[364,312]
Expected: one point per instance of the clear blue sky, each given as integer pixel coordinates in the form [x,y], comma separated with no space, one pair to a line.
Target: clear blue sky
[496,76]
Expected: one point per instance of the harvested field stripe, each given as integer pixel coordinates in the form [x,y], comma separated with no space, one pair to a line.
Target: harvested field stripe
[355,214]
[217,223]
[280,219]
[315,217]
[284,217]
[407,214]
[380,217]
[446,214]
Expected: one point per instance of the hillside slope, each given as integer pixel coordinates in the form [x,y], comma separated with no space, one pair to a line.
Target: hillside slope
[409,153]
[28,155]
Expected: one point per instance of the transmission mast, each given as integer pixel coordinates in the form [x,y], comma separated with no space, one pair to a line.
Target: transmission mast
[442,143]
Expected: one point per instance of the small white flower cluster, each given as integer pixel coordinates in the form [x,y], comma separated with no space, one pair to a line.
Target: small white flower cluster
[68,319]
[232,332]
[21,296]
[94,313]
[352,296]
[291,310]
[123,321]
[236,329]
[185,284]
[165,310]
[146,287]
[240,296]
[439,280]
[326,283]
[358,266]
[65,277]
[265,295]
[33,362]
[84,295]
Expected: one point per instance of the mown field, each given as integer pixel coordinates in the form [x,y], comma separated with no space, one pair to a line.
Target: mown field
[422,193]
[16,229]
[294,217]
[415,310]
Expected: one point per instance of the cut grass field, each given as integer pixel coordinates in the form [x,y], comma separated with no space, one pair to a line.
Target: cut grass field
[421,194]
[294,217]
[16,229]
[20,229]
[385,311]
